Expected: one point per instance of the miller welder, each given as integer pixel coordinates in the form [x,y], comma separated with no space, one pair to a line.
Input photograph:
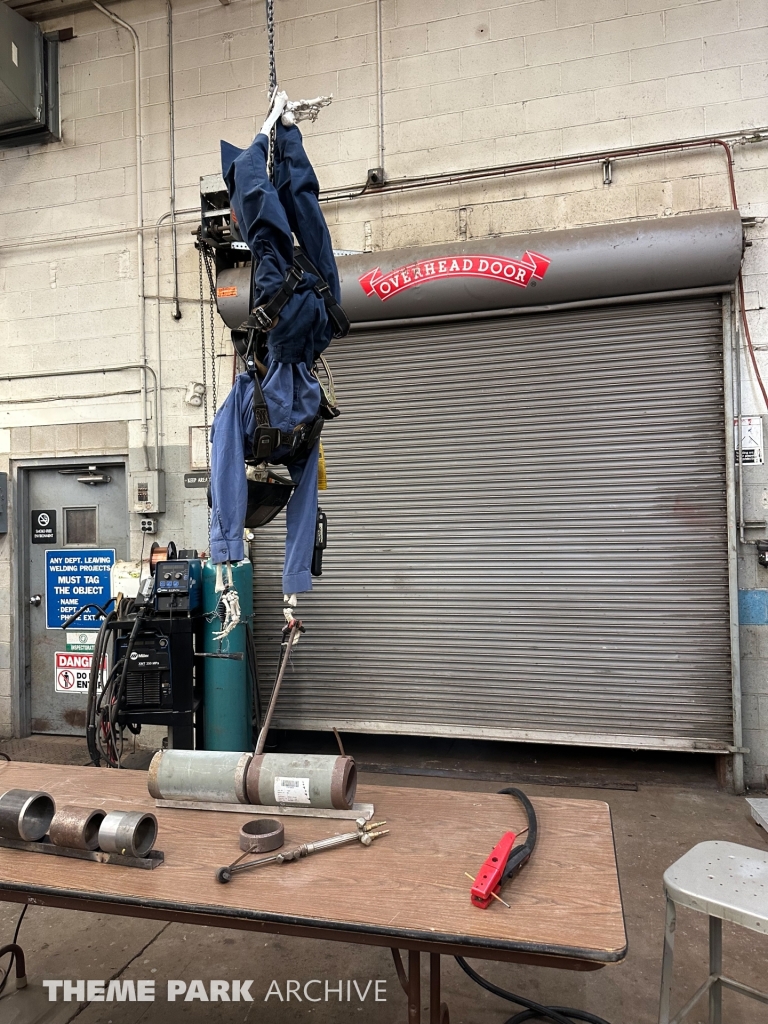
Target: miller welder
[152,643]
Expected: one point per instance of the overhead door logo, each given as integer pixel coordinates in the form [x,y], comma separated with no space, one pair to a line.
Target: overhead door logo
[531,266]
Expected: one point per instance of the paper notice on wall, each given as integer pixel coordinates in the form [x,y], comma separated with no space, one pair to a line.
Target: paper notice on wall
[752,453]
[291,791]
[71,672]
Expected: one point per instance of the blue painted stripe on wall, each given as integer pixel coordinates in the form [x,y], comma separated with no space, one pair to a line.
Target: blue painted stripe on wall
[753,607]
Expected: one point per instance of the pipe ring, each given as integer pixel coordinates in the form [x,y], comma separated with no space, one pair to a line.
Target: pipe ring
[25,814]
[128,833]
[261,835]
[77,827]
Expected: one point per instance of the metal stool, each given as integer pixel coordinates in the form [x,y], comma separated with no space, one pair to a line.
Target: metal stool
[728,883]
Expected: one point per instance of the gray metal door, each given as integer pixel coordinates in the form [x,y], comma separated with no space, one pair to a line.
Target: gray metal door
[527,533]
[74,529]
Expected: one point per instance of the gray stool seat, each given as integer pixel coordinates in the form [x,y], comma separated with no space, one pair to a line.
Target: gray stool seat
[727,882]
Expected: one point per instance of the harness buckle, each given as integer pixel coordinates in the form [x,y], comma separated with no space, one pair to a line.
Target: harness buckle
[262,318]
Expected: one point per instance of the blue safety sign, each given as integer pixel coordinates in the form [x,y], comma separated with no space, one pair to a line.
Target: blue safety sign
[74,578]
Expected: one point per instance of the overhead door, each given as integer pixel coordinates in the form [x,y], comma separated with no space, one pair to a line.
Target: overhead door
[527,533]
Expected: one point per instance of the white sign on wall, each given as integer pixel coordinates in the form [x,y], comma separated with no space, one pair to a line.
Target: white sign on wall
[71,672]
[752,453]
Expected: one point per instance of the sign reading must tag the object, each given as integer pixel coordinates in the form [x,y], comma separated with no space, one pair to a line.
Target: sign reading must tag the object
[291,790]
[74,578]
[43,525]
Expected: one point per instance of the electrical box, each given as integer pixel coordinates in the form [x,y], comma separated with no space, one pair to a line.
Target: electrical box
[29,82]
[147,491]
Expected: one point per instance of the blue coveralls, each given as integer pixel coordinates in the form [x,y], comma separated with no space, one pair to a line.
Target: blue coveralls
[269,215]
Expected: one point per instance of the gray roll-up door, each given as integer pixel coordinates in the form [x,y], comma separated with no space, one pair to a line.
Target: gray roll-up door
[527,534]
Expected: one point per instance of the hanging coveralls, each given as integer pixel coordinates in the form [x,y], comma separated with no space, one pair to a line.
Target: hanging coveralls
[268,216]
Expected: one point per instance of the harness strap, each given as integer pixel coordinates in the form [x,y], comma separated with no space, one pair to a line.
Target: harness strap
[265,313]
[337,315]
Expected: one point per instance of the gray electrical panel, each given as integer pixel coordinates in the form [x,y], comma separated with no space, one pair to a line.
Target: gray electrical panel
[29,86]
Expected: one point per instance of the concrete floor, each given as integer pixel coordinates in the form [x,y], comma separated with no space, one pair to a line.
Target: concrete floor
[662,805]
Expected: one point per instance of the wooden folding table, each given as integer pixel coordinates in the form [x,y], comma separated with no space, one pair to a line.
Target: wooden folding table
[408,890]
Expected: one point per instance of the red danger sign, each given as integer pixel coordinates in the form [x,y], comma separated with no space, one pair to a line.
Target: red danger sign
[71,672]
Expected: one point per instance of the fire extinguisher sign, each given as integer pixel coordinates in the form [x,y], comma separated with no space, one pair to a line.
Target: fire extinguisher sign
[71,672]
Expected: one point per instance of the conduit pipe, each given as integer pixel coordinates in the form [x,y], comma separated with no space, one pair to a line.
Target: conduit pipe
[379,83]
[176,314]
[84,371]
[139,222]
[723,141]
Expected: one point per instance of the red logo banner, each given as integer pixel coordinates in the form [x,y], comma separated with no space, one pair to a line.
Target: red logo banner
[531,266]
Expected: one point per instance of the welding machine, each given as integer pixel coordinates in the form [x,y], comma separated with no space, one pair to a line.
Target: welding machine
[166,664]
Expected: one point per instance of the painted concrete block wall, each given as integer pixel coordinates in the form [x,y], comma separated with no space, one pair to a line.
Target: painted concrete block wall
[467,83]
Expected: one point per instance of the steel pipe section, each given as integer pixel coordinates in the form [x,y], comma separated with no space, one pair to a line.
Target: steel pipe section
[77,828]
[262,835]
[25,814]
[312,780]
[129,833]
[215,776]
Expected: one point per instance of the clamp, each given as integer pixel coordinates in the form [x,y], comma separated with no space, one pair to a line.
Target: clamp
[505,859]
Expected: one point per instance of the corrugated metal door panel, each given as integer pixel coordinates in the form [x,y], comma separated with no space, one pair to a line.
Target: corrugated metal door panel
[527,533]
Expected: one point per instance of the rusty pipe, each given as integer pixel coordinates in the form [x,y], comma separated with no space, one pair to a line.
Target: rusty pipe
[77,828]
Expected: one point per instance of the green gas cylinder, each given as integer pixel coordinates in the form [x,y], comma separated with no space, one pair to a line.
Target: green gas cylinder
[228,689]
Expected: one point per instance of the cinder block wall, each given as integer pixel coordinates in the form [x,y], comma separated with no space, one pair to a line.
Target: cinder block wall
[466,84]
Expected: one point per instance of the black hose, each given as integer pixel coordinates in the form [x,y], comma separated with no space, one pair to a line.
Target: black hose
[14,950]
[99,650]
[555,1014]
[520,855]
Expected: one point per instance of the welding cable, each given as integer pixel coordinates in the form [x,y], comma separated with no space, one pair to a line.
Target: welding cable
[6,972]
[99,651]
[533,1010]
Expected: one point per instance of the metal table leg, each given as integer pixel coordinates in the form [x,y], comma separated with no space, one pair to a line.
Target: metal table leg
[715,970]
[411,985]
[438,1012]
[667,963]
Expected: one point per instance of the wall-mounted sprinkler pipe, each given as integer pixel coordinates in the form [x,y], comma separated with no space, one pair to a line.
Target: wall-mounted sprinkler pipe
[139,219]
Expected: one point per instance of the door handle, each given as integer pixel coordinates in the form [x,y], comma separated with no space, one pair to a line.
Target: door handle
[36,600]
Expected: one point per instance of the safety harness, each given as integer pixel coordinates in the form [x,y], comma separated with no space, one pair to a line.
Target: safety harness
[267,495]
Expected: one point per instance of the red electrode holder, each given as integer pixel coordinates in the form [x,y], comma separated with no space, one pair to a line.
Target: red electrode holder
[488,879]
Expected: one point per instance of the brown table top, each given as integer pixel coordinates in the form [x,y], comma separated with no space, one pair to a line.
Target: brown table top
[408,889]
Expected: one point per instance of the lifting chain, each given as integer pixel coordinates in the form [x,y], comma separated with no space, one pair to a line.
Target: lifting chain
[272,80]
[204,257]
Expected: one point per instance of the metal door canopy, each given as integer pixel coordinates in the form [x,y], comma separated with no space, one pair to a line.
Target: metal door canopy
[527,270]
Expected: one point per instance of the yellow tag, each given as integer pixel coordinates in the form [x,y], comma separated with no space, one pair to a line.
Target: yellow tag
[322,477]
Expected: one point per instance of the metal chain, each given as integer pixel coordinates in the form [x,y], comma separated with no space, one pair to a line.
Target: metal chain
[204,357]
[211,309]
[271,45]
[272,81]
[205,378]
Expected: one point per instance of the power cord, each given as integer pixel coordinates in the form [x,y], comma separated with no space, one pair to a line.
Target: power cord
[533,1010]
[6,972]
